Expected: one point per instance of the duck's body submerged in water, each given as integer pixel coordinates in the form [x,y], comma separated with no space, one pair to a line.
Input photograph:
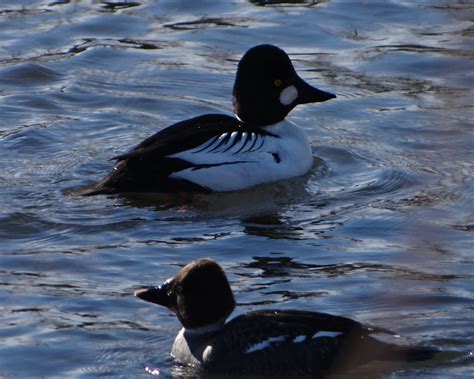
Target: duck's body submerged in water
[220,153]
[265,342]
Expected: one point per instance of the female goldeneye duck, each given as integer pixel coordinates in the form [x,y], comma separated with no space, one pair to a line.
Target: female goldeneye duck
[264,342]
[220,153]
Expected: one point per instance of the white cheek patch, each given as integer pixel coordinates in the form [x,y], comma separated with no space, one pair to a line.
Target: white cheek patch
[288,95]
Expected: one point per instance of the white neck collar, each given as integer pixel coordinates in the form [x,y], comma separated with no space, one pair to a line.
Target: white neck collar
[237,117]
[202,330]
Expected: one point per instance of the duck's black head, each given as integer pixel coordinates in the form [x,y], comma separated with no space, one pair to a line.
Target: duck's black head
[267,87]
[199,294]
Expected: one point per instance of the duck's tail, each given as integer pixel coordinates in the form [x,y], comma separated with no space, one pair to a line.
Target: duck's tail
[90,190]
[383,351]
[411,353]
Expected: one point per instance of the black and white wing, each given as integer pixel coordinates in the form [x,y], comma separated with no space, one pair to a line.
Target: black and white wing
[168,160]
[296,342]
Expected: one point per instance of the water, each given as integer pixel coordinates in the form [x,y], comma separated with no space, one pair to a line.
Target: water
[381,230]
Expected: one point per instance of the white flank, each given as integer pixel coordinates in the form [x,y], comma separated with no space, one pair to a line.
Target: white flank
[325,334]
[288,95]
[243,164]
[264,344]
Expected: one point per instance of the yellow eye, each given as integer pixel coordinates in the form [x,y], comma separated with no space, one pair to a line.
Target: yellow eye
[278,82]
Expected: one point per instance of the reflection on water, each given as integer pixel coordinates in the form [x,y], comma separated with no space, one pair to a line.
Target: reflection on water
[380,230]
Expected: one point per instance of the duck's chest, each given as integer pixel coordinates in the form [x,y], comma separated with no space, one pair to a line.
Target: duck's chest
[187,351]
[293,149]
[192,349]
[284,154]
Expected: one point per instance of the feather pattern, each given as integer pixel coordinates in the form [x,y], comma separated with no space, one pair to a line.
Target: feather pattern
[243,158]
[271,341]
[220,153]
[211,153]
[263,342]
[166,160]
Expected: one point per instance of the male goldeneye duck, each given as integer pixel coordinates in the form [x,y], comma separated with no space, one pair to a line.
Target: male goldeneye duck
[220,153]
[263,342]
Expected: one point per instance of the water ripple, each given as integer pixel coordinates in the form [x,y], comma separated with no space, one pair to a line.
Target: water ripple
[380,230]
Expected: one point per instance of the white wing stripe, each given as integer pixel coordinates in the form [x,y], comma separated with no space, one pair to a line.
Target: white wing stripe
[206,144]
[245,138]
[324,333]
[264,344]
[253,137]
[235,138]
[222,140]
[234,143]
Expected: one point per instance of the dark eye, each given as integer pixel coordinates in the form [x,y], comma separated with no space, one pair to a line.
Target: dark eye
[278,82]
[178,288]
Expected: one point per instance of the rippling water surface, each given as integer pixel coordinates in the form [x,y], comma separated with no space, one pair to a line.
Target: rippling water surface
[381,230]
